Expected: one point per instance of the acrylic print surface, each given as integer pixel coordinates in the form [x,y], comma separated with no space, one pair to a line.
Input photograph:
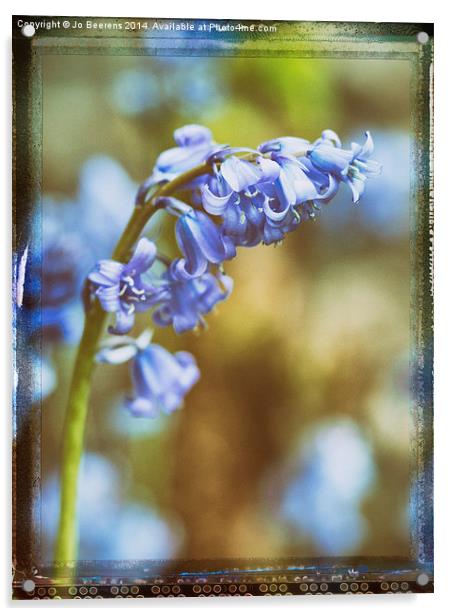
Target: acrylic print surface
[222,307]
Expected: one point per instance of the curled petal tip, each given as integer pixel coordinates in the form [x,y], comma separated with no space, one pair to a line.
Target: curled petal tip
[214,204]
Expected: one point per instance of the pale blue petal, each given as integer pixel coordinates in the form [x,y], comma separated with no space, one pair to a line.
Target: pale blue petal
[214,204]
[285,145]
[192,134]
[123,324]
[109,298]
[142,258]
[330,135]
[239,174]
[107,272]
[269,169]
[190,373]
[199,230]
[116,355]
[143,407]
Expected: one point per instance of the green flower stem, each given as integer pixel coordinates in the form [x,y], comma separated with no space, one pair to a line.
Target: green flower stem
[77,407]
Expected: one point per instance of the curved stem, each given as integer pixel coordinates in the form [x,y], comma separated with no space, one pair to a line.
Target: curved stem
[77,406]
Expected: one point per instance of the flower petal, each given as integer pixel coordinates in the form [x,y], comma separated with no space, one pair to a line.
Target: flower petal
[239,174]
[275,215]
[192,134]
[116,355]
[142,407]
[214,204]
[162,316]
[330,135]
[229,248]
[285,145]
[106,272]
[368,146]
[194,262]
[109,298]
[123,324]
[177,160]
[190,373]
[329,159]
[198,232]
[269,169]
[142,258]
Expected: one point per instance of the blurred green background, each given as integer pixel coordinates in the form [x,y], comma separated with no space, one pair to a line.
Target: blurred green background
[295,441]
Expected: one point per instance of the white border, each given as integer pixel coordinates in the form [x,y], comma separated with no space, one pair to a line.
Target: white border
[324,10]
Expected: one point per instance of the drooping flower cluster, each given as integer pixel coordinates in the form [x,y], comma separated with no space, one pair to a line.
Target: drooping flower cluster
[240,197]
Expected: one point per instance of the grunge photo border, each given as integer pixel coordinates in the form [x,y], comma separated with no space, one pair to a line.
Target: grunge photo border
[33,579]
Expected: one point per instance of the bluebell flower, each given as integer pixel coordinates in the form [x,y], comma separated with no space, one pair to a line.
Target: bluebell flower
[121,289]
[386,208]
[352,166]
[242,174]
[263,200]
[161,379]
[244,220]
[194,144]
[189,299]
[199,239]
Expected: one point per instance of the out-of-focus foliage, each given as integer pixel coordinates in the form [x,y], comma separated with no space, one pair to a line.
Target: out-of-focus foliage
[295,441]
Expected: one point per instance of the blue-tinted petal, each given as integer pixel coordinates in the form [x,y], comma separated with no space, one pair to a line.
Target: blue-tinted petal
[194,263]
[368,146]
[189,374]
[272,234]
[254,214]
[285,145]
[330,159]
[185,321]
[275,214]
[116,355]
[239,174]
[178,160]
[214,204]
[330,135]
[304,188]
[162,316]
[107,272]
[356,185]
[229,248]
[320,179]
[203,232]
[371,168]
[192,134]
[109,298]
[234,221]
[331,189]
[157,373]
[285,193]
[170,401]
[142,407]
[142,258]
[269,170]
[123,324]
